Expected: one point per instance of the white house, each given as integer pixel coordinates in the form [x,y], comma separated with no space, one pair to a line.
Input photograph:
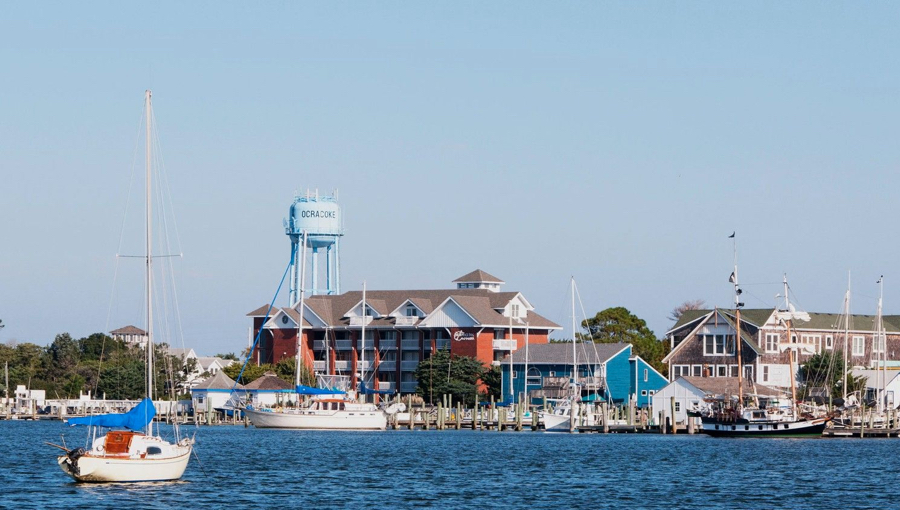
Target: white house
[213,392]
[873,384]
[689,392]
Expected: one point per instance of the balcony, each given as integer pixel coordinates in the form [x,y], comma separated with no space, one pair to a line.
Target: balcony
[364,365]
[387,366]
[504,345]
[408,386]
[591,382]
[319,345]
[408,365]
[360,321]
[410,344]
[386,386]
[406,321]
[320,366]
[341,365]
[387,345]
[343,345]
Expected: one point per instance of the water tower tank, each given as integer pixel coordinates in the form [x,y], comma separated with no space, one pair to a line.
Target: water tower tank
[320,217]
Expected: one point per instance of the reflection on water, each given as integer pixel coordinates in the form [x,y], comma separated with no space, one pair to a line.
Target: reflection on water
[254,468]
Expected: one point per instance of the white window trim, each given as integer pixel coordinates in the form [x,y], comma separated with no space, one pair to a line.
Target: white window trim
[777,338]
[829,342]
[862,344]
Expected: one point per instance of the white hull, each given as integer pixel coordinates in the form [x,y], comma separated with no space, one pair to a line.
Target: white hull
[134,466]
[555,422]
[320,420]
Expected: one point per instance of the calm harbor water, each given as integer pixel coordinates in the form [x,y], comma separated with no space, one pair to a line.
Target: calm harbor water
[251,468]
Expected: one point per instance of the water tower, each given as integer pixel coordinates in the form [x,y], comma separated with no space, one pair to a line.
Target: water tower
[320,217]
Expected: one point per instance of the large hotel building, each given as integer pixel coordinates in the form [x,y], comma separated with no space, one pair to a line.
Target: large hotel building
[402,327]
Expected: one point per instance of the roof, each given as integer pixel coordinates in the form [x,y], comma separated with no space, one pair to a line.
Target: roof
[726,385]
[220,381]
[268,381]
[560,353]
[687,317]
[206,361]
[835,322]
[128,330]
[481,304]
[478,276]
[180,353]
[873,376]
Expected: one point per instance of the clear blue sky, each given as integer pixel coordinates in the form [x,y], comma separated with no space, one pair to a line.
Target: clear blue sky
[617,142]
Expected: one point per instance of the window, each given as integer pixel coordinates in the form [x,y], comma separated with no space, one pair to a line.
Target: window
[677,406]
[859,345]
[772,342]
[411,311]
[733,370]
[829,342]
[721,370]
[765,373]
[652,392]
[814,341]
[698,371]
[680,370]
[646,375]
[878,343]
[514,310]
[499,334]
[718,345]
[534,377]
[643,393]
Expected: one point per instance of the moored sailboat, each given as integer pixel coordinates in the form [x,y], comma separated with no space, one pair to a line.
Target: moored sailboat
[134,454]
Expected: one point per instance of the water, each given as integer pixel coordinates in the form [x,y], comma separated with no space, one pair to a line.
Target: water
[256,468]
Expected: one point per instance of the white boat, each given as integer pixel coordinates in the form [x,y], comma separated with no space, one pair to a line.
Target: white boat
[135,454]
[559,419]
[320,413]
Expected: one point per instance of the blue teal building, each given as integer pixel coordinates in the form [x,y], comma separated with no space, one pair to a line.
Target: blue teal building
[605,372]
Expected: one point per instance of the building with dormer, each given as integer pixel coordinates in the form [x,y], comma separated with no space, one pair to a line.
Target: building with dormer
[402,327]
[702,343]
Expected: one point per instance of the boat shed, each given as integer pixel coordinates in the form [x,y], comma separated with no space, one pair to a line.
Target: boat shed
[213,392]
[605,372]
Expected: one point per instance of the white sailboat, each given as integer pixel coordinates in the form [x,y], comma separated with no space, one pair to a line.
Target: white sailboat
[328,407]
[134,454]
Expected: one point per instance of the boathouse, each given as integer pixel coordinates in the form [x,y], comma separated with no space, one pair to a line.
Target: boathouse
[402,327]
[702,342]
[686,393]
[213,392]
[270,390]
[606,372]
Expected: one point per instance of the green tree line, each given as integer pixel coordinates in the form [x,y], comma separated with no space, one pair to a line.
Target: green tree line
[96,363]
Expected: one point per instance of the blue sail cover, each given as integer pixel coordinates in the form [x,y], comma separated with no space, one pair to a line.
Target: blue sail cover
[365,390]
[136,419]
[309,390]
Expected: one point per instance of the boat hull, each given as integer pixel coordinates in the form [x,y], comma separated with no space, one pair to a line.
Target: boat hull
[802,428]
[101,469]
[337,420]
[556,422]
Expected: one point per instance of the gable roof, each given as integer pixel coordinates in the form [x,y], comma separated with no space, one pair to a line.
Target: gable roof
[696,325]
[128,330]
[560,353]
[478,276]
[728,385]
[220,381]
[481,304]
[181,353]
[268,381]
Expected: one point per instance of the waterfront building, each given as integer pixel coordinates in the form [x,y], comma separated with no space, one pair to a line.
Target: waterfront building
[213,392]
[686,393]
[402,327]
[702,343]
[874,378]
[130,335]
[604,371]
[270,390]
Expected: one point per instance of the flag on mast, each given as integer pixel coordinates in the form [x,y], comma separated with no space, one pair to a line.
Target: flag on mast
[731,278]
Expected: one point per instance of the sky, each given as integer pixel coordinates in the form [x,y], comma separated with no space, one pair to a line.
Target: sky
[618,143]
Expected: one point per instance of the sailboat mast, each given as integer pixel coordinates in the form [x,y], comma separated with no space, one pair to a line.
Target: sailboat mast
[737,328]
[149,264]
[879,335]
[793,347]
[846,335]
[300,325]
[362,358]
[574,334]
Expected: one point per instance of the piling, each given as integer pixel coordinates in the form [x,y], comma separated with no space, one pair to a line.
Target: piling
[674,423]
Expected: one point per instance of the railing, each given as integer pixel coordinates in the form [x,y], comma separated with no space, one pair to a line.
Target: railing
[409,344]
[341,365]
[359,321]
[504,345]
[387,366]
[408,386]
[318,345]
[387,345]
[343,345]
[591,383]
[386,386]
[406,321]
[320,366]
[442,344]
[408,365]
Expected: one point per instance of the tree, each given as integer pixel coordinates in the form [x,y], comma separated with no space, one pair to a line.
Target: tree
[826,370]
[617,324]
[678,311]
[444,374]
[232,356]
